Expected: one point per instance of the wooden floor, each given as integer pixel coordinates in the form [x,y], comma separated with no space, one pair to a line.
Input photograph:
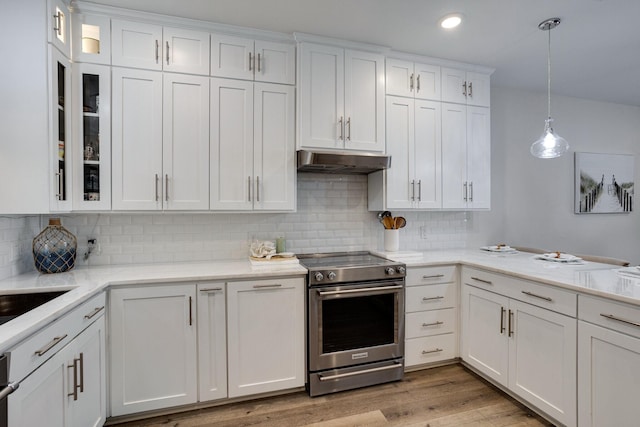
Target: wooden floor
[445,396]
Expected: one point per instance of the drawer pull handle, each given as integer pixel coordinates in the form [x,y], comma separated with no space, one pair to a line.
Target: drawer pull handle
[210,290]
[321,377]
[488,282]
[438,323]
[94,312]
[618,319]
[437,350]
[432,298]
[435,276]
[49,346]
[275,285]
[537,296]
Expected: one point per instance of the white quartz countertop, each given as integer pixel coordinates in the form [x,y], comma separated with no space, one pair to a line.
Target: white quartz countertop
[591,278]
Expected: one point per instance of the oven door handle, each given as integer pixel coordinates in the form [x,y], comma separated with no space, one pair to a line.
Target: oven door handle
[10,388]
[351,374]
[359,290]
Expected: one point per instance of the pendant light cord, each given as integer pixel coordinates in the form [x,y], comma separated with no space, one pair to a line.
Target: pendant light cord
[549,76]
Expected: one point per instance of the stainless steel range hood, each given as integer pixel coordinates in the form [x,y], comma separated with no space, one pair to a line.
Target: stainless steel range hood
[341,162]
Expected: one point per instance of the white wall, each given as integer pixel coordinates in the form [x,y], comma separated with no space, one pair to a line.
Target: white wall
[537,196]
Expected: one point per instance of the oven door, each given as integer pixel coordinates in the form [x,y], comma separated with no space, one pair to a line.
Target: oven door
[355,324]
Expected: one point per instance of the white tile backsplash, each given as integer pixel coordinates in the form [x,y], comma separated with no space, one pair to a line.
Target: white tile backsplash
[331,216]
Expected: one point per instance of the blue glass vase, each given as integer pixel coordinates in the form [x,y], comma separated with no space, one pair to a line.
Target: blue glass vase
[54,248]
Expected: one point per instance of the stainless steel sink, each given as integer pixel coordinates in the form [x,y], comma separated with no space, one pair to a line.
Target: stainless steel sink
[13,305]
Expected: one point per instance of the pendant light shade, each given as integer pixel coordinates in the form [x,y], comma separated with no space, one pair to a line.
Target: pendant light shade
[550,144]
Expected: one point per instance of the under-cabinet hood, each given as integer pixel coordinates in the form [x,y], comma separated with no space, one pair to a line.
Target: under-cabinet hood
[341,162]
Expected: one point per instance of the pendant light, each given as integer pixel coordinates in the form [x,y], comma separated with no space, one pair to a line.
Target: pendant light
[550,144]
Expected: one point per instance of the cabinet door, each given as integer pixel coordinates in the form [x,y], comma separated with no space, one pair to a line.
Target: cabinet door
[321,120]
[59,23]
[454,86]
[275,62]
[274,161]
[40,399]
[136,139]
[153,348]
[608,377]
[135,44]
[231,144]
[427,149]
[265,336]
[60,120]
[427,82]
[484,343]
[91,39]
[542,359]
[479,157]
[186,51]
[212,341]
[89,410]
[478,89]
[400,78]
[232,57]
[455,188]
[364,101]
[92,154]
[185,142]
[400,179]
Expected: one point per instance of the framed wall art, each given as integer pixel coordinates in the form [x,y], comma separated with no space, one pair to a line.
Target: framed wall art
[604,183]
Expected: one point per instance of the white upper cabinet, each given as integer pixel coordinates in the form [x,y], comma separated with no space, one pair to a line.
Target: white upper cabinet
[59,24]
[341,97]
[412,79]
[91,38]
[153,47]
[465,87]
[248,59]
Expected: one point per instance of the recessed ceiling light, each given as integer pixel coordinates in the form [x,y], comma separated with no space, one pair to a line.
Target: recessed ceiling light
[451,21]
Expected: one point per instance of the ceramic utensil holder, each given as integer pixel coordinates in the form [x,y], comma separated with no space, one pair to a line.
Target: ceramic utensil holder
[391,240]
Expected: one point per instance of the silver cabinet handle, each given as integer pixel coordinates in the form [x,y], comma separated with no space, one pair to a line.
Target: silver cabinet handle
[432,298]
[157,196]
[157,51]
[488,282]
[438,323]
[81,361]
[250,59]
[249,189]
[60,175]
[435,350]
[74,393]
[360,290]
[257,188]
[470,89]
[341,126]
[511,322]
[167,53]
[464,88]
[433,276]
[94,312]
[57,27]
[619,319]
[465,191]
[537,296]
[419,190]
[206,290]
[471,191]
[50,345]
[413,190]
[411,82]
[321,377]
[190,311]
[348,126]
[502,312]
[418,83]
[259,62]
[166,187]
[275,285]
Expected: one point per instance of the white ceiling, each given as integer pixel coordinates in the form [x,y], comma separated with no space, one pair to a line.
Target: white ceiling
[595,51]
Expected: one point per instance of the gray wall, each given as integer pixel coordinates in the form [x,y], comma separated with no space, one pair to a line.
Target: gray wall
[535,197]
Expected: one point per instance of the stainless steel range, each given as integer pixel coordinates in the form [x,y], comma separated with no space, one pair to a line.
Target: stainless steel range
[355,321]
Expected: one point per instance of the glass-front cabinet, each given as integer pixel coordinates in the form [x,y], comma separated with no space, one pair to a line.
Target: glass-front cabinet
[91,38]
[60,120]
[59,19]
[92,183]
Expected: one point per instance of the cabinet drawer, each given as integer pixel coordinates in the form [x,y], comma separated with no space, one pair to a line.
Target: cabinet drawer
[541,295]
[427,323]
[610,314]
[430,349]
[430,297]
[35,350]
[431,275]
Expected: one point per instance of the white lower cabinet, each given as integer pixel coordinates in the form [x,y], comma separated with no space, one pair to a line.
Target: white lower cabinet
[431,319]
[527,349]
[608,363]
[212,341]
[266,341]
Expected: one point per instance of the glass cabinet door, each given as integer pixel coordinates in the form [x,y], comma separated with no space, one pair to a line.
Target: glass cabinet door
[92,178]
[60,130]
[91,39]
[59,19]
